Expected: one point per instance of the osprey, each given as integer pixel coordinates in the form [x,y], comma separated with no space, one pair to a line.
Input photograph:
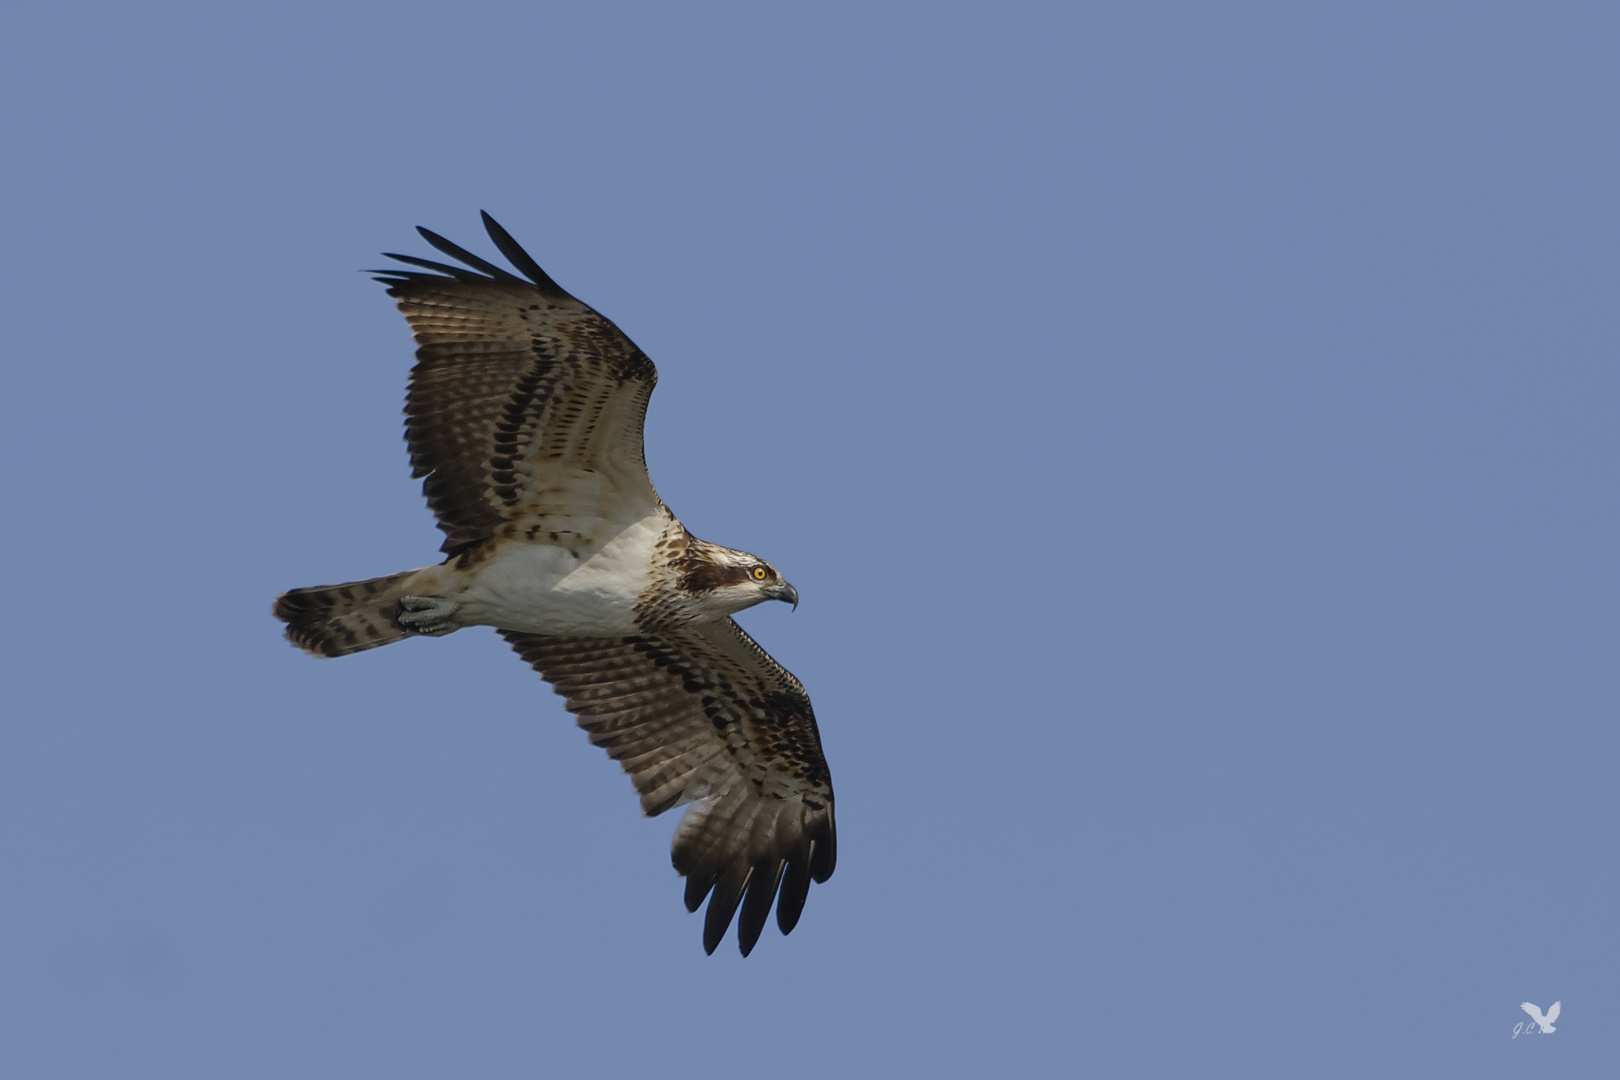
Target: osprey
[524,422]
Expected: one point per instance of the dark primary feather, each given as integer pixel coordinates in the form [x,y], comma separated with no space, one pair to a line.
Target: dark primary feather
[394,277]
[756,908]
[518,257]
[455,251]
[517,385]
[702,714]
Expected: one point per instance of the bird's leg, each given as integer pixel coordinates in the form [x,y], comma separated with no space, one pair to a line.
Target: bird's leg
[430,615]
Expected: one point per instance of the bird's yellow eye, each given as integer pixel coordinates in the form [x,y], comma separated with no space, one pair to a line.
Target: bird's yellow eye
[759,573]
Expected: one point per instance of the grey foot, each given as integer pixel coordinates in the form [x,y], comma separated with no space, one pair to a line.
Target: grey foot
[430,615]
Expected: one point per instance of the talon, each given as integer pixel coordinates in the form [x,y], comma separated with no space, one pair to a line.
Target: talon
[428,615]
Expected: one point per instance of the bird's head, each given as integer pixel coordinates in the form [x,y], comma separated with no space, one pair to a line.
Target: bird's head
[718,581]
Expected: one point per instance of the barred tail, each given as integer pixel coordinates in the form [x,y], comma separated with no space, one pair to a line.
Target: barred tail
[335,620]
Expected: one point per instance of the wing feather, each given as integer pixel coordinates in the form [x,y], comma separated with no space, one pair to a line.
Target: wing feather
[461,254]
[757,901]
[701,714]
[525,404]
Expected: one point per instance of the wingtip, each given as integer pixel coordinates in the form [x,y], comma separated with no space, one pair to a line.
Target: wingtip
[824,856]
[518,257]
[697,890]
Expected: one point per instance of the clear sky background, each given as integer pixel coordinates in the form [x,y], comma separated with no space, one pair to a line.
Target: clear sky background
[1193,430]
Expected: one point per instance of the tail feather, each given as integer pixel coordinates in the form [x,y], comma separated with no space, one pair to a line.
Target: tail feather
[335,620]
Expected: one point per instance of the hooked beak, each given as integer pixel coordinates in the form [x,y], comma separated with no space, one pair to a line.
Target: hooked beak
[787,594]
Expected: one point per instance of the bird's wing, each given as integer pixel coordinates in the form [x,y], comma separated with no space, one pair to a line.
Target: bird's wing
[1552,1013]
[524,402]
[702,714]
[1535,1013]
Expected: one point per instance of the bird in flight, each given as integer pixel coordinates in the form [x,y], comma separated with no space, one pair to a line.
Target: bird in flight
[524,423]
[1543,1022]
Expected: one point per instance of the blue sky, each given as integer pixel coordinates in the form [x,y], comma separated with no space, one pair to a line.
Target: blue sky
[1192,432]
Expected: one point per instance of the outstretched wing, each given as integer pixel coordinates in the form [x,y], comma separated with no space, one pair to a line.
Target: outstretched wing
[1552,1013]
[702,714]
[524,402]
[1534,1011]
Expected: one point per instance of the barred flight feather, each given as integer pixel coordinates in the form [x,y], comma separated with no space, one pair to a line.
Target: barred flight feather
[699,731]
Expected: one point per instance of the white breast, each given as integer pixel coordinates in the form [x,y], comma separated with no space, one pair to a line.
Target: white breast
[543,588]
